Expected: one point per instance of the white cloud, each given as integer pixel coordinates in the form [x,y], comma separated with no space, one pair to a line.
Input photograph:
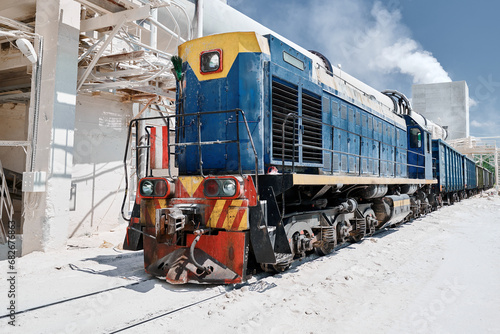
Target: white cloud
[485,125]
[476,124]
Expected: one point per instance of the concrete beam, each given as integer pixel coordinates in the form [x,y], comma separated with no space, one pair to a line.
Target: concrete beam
[128,3]
[15,24]
[112,19]
[4,5]
[121,57]
[128,86]
[152,90]
[13,60]
[14,143]
[93,6]
[111,6]
[19,97]
[120,74]
[12,82]
[19,10]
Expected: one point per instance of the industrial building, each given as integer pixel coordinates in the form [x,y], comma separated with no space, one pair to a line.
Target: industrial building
[73,74]
[445,103]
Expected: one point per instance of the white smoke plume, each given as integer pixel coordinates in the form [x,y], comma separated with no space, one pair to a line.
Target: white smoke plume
[403,53]
[368,38]
[376,44]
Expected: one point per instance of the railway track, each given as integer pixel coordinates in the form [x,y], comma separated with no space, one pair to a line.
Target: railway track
[76,298]
[258,284]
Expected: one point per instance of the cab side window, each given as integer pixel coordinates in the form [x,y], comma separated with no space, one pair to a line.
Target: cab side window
[415,138]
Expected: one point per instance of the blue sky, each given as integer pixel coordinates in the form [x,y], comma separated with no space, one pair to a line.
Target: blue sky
[392,44]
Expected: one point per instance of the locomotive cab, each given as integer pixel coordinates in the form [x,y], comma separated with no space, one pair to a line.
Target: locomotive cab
[419,153]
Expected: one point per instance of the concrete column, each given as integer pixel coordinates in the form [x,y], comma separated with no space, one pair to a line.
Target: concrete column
[47,213]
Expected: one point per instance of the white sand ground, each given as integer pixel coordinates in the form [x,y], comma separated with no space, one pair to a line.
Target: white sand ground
[438,274]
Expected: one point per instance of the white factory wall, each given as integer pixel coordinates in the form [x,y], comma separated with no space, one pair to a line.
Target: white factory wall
[447,104]
[13,127]
[98,185]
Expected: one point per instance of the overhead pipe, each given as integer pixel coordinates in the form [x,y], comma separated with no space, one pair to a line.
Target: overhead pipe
[153,38]
[36,108]
[176,24]
[188,19]
[162,27]
[145,46]
[199,18]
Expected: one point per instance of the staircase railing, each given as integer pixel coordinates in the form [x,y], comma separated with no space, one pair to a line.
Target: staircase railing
[5,204]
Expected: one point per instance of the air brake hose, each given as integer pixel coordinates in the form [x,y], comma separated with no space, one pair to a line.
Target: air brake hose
[191,255]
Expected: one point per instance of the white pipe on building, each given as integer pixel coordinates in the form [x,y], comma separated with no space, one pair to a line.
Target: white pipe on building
[153,38]
[161,26]
[176,25]
[36,108]
[199,18]
[188,20]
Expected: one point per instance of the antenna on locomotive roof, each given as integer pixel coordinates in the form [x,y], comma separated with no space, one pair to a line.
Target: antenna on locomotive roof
[340,68]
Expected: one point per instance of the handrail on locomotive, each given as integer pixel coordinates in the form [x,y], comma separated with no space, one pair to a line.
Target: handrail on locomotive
[199,143]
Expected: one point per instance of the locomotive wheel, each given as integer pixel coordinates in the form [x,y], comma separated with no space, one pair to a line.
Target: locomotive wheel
[440,201]
[324,248]
[452,198]
[371,221]
[327,240]
[360,231]
[274,268]
[268,268]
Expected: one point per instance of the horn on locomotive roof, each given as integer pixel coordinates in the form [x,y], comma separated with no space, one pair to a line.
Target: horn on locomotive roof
[402,106]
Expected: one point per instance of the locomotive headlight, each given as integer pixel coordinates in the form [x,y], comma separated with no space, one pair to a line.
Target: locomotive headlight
[160,188]
[225,187]
[214,61]
[147,188]
[211,61]
[229,188]
[157,187]
[211,188]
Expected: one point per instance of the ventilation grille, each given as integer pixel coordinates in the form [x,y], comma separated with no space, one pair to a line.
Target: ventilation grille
[284,101]
[312,141]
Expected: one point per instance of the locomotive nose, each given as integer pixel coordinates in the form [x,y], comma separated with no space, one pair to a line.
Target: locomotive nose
[195,265]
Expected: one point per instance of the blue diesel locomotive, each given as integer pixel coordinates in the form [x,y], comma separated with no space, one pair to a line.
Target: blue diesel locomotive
[280,154]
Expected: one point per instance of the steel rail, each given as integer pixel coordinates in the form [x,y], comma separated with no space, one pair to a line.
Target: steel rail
[75,298]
